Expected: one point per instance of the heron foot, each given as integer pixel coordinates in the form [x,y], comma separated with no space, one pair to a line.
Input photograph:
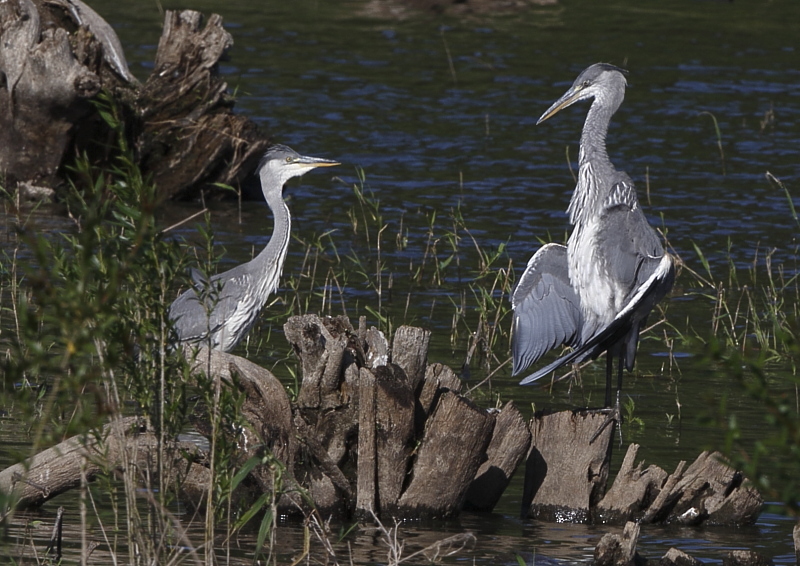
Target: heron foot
[613,415]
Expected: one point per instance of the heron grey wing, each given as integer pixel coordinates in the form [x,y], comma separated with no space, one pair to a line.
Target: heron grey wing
[190,317]
[647,295]
[195,318]
[546,308]
[628,246]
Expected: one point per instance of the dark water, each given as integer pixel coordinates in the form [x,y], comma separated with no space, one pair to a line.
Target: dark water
[435,132]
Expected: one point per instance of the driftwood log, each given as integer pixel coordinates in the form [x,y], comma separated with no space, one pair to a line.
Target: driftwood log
[124,443]
[56,56]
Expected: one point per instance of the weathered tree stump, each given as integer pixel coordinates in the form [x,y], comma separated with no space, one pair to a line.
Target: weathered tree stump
[190,138]
[393,413]
[633,491]
[410,352]
[394,433]
[707,492]
[453,446]
[510,441]
[565,474]
[57,55]
[363,438]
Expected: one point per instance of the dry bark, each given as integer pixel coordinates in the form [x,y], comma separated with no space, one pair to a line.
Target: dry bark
[410,352]
[565,474]
[455,441]
[633,491]
[511,440]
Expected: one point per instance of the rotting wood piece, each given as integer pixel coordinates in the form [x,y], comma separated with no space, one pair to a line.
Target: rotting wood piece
[633,490]
[190,138]
[565,473]
[410,352]
[394,433]
[708,491]
[322,345]
[455,441]
[46,91]
[714,493]
[618,550]
[796,539]
[266,409]
[510,442]
[366,490]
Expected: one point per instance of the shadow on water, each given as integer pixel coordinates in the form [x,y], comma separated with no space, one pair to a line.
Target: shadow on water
[380,95]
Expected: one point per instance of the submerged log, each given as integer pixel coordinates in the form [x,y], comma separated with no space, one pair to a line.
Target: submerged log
[618,550]
[57,55]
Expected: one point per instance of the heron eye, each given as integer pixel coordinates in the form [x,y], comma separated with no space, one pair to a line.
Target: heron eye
[289,159]
[586,83]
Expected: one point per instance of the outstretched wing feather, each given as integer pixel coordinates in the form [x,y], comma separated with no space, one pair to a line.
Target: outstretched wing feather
[546,308]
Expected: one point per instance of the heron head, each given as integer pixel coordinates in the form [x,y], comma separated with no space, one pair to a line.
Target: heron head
[599,81]
[280,163]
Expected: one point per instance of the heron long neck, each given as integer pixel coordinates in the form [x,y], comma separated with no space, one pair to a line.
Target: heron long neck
[269,263]
[593,162]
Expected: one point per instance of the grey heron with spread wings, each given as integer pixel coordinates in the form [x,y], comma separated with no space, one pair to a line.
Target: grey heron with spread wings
[595,293]
[219,312]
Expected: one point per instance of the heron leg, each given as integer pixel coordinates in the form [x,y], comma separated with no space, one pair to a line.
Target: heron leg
[614,415]
[609,373]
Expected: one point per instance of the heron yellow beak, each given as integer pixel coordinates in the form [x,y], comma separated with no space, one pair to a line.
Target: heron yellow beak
[312,162]
[569,98]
